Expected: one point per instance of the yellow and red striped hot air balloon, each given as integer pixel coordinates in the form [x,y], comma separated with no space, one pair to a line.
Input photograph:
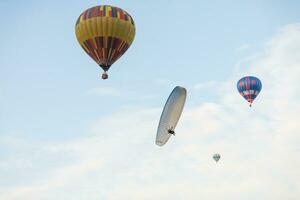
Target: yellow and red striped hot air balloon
[105,33]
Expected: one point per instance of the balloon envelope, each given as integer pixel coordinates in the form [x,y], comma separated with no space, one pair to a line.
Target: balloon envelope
[170,115]
[249,87]
[105,33]
[216,157]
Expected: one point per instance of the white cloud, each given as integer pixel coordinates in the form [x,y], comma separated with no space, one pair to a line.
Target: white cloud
[119,160]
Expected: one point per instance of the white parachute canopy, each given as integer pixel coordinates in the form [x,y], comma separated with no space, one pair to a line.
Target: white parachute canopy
[216,157]
[170,115]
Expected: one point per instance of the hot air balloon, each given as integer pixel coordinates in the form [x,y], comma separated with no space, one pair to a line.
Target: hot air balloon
[249,87]
[216,157]
[170,115]
[105,33]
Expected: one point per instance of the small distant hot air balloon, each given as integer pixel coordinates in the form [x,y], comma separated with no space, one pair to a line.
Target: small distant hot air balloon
[105,33]
[249,87]
[216,157]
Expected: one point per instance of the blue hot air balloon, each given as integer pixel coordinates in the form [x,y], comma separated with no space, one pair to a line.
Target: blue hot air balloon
[249,87]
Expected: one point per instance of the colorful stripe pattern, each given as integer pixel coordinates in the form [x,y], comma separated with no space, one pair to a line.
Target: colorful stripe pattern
[105,50]
[105,11]
[105,33]
[249,87]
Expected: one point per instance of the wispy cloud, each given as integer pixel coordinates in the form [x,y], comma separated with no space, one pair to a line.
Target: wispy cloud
[205,86]
[105,91]
[243,47]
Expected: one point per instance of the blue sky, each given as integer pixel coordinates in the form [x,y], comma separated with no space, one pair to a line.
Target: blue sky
[56,111]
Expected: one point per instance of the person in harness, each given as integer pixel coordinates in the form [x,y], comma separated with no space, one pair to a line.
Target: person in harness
[170,131]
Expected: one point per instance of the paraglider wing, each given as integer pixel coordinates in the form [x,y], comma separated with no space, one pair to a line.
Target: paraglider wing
[105,33]
[249,87]
[170,115]
[216,157]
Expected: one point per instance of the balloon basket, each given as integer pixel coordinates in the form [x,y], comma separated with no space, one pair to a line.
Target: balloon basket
[104,76]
